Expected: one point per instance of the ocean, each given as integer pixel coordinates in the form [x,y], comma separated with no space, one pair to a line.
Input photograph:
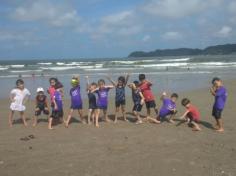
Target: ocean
[171,74]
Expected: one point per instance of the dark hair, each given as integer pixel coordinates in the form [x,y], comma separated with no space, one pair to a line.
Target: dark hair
[215,79]
[185,101]
[53,79]
[141,77]
[121,78]
[93,84]
[174,95]
[136,83]
[101,81]
[58,85]
[19,81]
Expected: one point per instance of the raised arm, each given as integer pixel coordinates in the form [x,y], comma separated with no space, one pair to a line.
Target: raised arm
[163,95]
[94,90]
[127,78]
[110,79]
[87,79]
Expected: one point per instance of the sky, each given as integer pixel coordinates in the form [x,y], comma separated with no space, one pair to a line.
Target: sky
[53,29]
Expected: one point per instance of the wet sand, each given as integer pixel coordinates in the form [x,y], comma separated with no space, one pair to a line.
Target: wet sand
[122,149]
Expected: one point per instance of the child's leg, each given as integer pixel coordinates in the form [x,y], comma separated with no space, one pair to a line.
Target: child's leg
[90,113]
[139,120]
[220,124]
[105,115]
[116,113]
[93,115]
[195,126]
[69,118]
[50,123]
[10,118]
[150,119]
[35,121]
[170,118]
[123,112]
[23,118]
[80,111]
[97,113]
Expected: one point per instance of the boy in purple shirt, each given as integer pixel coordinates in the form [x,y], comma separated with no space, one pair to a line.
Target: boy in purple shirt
[220,94]
[102,101]
[168,107]
[57,108]
[76,101]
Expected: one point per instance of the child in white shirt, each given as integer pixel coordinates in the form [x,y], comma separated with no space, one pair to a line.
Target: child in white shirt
[18,96]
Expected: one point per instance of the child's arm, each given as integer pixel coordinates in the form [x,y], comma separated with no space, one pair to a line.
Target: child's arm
[143,99]
[184,115]
[109,87]
[113,82]
[130,85]
[94,90]
[87,78]
[149,82]
[213,90]
[55,103]
[127,78]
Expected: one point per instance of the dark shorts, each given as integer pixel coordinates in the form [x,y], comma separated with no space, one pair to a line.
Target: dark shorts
[217,113]
[93,106]
[120,103]
[192,119]
[38,112]
[76,107]
[57,114]
[150,104]
[137,107]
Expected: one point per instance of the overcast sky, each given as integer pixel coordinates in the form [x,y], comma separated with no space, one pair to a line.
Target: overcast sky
[111,28]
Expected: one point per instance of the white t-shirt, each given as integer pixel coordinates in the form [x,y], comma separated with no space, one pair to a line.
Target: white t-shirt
[19,97]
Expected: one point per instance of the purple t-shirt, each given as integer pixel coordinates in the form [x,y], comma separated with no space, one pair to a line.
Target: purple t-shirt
[220,98]
[58,99]
[167,105]
[75,96]
[102,97]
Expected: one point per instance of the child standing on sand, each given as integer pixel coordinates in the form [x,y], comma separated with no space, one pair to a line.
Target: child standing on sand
[145,87]
[220,94]
[138,100]
[102,102]
[120,95]
[57,108]
[92,101]
[191,115]
[18,96]
[41,105]
[76,101]
[168,107]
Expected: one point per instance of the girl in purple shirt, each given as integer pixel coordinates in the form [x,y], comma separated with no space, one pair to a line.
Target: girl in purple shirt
[76,101]
[102,102]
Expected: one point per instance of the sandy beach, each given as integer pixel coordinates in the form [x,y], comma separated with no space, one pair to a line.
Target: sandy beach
[123,149]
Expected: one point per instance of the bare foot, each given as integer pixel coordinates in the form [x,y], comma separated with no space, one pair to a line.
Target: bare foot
[34,124]
[97,126]
[25,124]
[66,125]
[107,120]
[139,122]
[196,129]
[115,121]
[220,130]
[50,128]
[126,120]
[171,121]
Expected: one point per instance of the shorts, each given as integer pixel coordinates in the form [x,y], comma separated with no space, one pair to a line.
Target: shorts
[217,113]
[150,104]
[93,106]
[120,103]
[164,115]
[38,112]
[56,114]
[77,107]
[137,107]
[191,118]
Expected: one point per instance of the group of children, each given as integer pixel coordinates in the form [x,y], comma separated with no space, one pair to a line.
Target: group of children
[98,102]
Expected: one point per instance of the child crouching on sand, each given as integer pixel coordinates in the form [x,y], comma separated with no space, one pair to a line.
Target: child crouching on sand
[191,115]
[92,101]
[41,105]
[168,109]
[220,94]
[18,96]
[138,100]
[57,108]
[76,101]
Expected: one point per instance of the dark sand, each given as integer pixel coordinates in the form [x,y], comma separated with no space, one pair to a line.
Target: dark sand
[122,149]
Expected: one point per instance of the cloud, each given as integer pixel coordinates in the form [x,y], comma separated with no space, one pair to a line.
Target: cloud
[42,11]
[225,31]
[146,38]
[178,8]
[172,35]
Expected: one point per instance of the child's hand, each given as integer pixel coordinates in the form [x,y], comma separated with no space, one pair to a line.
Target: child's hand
[164,94]
[142,102]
